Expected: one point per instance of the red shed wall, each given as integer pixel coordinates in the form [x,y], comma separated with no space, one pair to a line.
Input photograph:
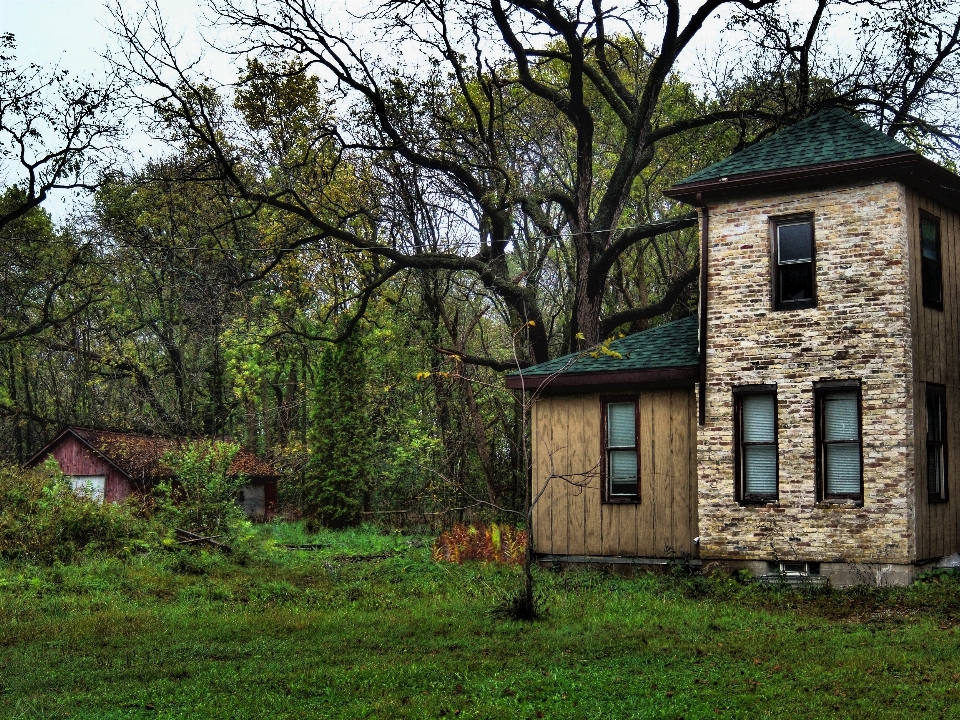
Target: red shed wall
[77,459]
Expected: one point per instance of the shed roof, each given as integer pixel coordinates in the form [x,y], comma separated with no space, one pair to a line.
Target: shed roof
[667,353]
[140,457]
[829,136]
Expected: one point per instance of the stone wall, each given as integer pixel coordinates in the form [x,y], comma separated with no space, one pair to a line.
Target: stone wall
[860,330]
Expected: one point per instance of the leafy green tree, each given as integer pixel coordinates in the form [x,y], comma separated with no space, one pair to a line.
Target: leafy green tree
[337,476]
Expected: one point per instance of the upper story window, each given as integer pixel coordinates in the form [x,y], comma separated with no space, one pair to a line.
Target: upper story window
[620,482]
[931,272]
[755,429]
[838,440]
[794,276]
[936,445]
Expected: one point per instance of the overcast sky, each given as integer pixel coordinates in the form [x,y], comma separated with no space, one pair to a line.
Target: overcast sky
[73,34]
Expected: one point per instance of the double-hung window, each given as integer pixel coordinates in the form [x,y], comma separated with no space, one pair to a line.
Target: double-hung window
[838,436]
[794,275]
[755,428]
[936,445]
[619,472]
[930,262]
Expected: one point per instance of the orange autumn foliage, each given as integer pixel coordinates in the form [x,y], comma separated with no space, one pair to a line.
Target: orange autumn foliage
[490,543]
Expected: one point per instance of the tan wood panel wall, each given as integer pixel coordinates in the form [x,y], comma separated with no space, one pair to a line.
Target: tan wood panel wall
[569,518]
[936,360]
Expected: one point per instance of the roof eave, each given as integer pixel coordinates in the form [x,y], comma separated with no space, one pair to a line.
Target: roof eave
[907,167]
[593,380]
[46,449]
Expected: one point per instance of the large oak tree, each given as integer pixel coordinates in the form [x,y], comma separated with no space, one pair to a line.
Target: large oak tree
[500,138]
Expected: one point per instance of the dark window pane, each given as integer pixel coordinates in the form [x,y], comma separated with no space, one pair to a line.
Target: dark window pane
[795,243]
[931,281]
[936,456]
[930,235]
[934,418]
[796,282]
[935,471]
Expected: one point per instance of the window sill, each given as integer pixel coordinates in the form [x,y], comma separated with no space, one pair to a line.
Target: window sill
[621,501]
[802,305]
[837,504]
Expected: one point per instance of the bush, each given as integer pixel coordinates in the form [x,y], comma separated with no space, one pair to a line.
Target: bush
[43,520]
[202,498]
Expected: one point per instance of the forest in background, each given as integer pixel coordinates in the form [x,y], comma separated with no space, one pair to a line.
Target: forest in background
[338,255]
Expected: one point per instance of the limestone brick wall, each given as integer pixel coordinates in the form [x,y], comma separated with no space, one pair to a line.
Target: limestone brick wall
[860,330]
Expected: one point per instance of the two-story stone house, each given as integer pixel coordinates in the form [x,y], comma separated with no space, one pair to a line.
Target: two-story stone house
[808,416]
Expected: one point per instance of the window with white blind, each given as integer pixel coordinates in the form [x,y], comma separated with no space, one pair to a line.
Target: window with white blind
[755,423]
[936,445]
[839,461]
[620,482]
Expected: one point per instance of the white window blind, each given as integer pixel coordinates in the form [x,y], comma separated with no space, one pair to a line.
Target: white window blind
[622,433]
[758,417]
[623,472]
[621,425]
[841,433]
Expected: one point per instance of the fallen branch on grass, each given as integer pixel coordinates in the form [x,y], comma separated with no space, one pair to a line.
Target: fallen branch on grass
[187,537]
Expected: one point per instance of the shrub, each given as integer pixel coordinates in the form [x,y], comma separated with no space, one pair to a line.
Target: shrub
[202,497]
[43,520]
[491,543]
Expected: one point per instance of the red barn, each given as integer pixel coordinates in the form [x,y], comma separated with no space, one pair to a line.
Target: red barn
[112,465]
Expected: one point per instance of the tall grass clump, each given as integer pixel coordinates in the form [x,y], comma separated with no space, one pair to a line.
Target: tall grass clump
[42,519]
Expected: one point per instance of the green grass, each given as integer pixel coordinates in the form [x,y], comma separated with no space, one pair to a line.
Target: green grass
[293,634]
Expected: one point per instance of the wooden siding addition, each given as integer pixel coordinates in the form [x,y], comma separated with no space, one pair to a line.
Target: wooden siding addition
[570,519]
[936,359]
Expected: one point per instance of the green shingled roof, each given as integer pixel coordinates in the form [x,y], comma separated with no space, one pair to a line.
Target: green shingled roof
[829,136]
[673,345]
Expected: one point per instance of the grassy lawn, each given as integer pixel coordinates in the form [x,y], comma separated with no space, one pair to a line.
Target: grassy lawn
[344,632]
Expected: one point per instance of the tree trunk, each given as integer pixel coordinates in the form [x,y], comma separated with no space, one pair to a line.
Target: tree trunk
[480,439]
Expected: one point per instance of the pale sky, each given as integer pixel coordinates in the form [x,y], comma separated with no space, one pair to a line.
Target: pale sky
[73,34]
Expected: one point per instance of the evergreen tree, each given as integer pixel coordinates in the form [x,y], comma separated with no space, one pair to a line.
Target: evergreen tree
[337,475]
